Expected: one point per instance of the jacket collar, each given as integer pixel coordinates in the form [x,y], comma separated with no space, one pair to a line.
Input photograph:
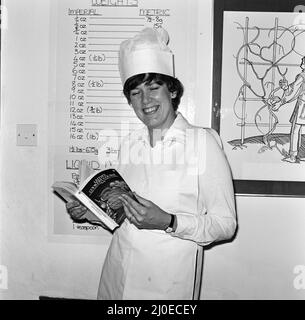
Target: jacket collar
[176,132]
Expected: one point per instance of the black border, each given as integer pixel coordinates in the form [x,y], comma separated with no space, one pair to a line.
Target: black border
[248,187]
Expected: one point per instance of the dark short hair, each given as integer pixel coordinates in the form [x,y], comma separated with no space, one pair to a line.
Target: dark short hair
[173,85]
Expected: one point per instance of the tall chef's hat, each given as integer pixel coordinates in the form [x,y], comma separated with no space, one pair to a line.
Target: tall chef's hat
[146,52]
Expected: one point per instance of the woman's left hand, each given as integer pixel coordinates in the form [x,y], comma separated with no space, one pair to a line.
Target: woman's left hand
[145,214]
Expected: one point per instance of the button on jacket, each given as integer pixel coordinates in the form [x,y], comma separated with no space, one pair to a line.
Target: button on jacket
[185,174]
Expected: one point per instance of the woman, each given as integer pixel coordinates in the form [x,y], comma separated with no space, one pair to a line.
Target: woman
[181,179]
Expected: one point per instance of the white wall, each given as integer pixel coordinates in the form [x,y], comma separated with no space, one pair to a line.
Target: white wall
[36,266]
[258,264]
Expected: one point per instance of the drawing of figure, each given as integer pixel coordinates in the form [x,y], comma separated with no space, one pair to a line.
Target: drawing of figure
[295,91]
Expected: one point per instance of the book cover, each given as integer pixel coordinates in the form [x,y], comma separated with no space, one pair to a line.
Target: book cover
[99,193]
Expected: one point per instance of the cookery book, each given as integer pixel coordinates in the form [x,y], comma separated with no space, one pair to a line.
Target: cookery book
[99,192]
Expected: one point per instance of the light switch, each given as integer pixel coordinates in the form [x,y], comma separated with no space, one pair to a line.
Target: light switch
[26,134]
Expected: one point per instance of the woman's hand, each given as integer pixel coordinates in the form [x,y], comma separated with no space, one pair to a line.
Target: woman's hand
[76,210]
[80,213]
[145,214]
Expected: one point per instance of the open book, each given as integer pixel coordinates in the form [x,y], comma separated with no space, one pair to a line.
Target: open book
[99,192]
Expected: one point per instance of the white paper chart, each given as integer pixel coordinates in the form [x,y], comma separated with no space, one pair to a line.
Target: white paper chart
[89,112]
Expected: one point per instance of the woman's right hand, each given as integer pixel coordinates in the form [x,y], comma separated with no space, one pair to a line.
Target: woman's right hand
[80,213]
[77,211]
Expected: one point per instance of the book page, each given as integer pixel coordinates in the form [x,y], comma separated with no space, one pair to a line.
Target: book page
[66,190]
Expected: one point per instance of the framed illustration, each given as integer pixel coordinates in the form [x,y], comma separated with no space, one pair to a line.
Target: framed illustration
[259,94]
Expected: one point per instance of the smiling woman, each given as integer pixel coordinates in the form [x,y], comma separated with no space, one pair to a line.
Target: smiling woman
[183,202]
[155,99]
[155,253]
[173,85]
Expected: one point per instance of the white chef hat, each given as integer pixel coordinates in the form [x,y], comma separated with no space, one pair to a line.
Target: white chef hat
[146,52]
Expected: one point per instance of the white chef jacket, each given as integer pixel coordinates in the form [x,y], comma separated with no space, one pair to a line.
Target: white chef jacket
[185,174]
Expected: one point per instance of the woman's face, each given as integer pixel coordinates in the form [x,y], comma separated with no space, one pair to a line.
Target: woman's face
[152,103]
